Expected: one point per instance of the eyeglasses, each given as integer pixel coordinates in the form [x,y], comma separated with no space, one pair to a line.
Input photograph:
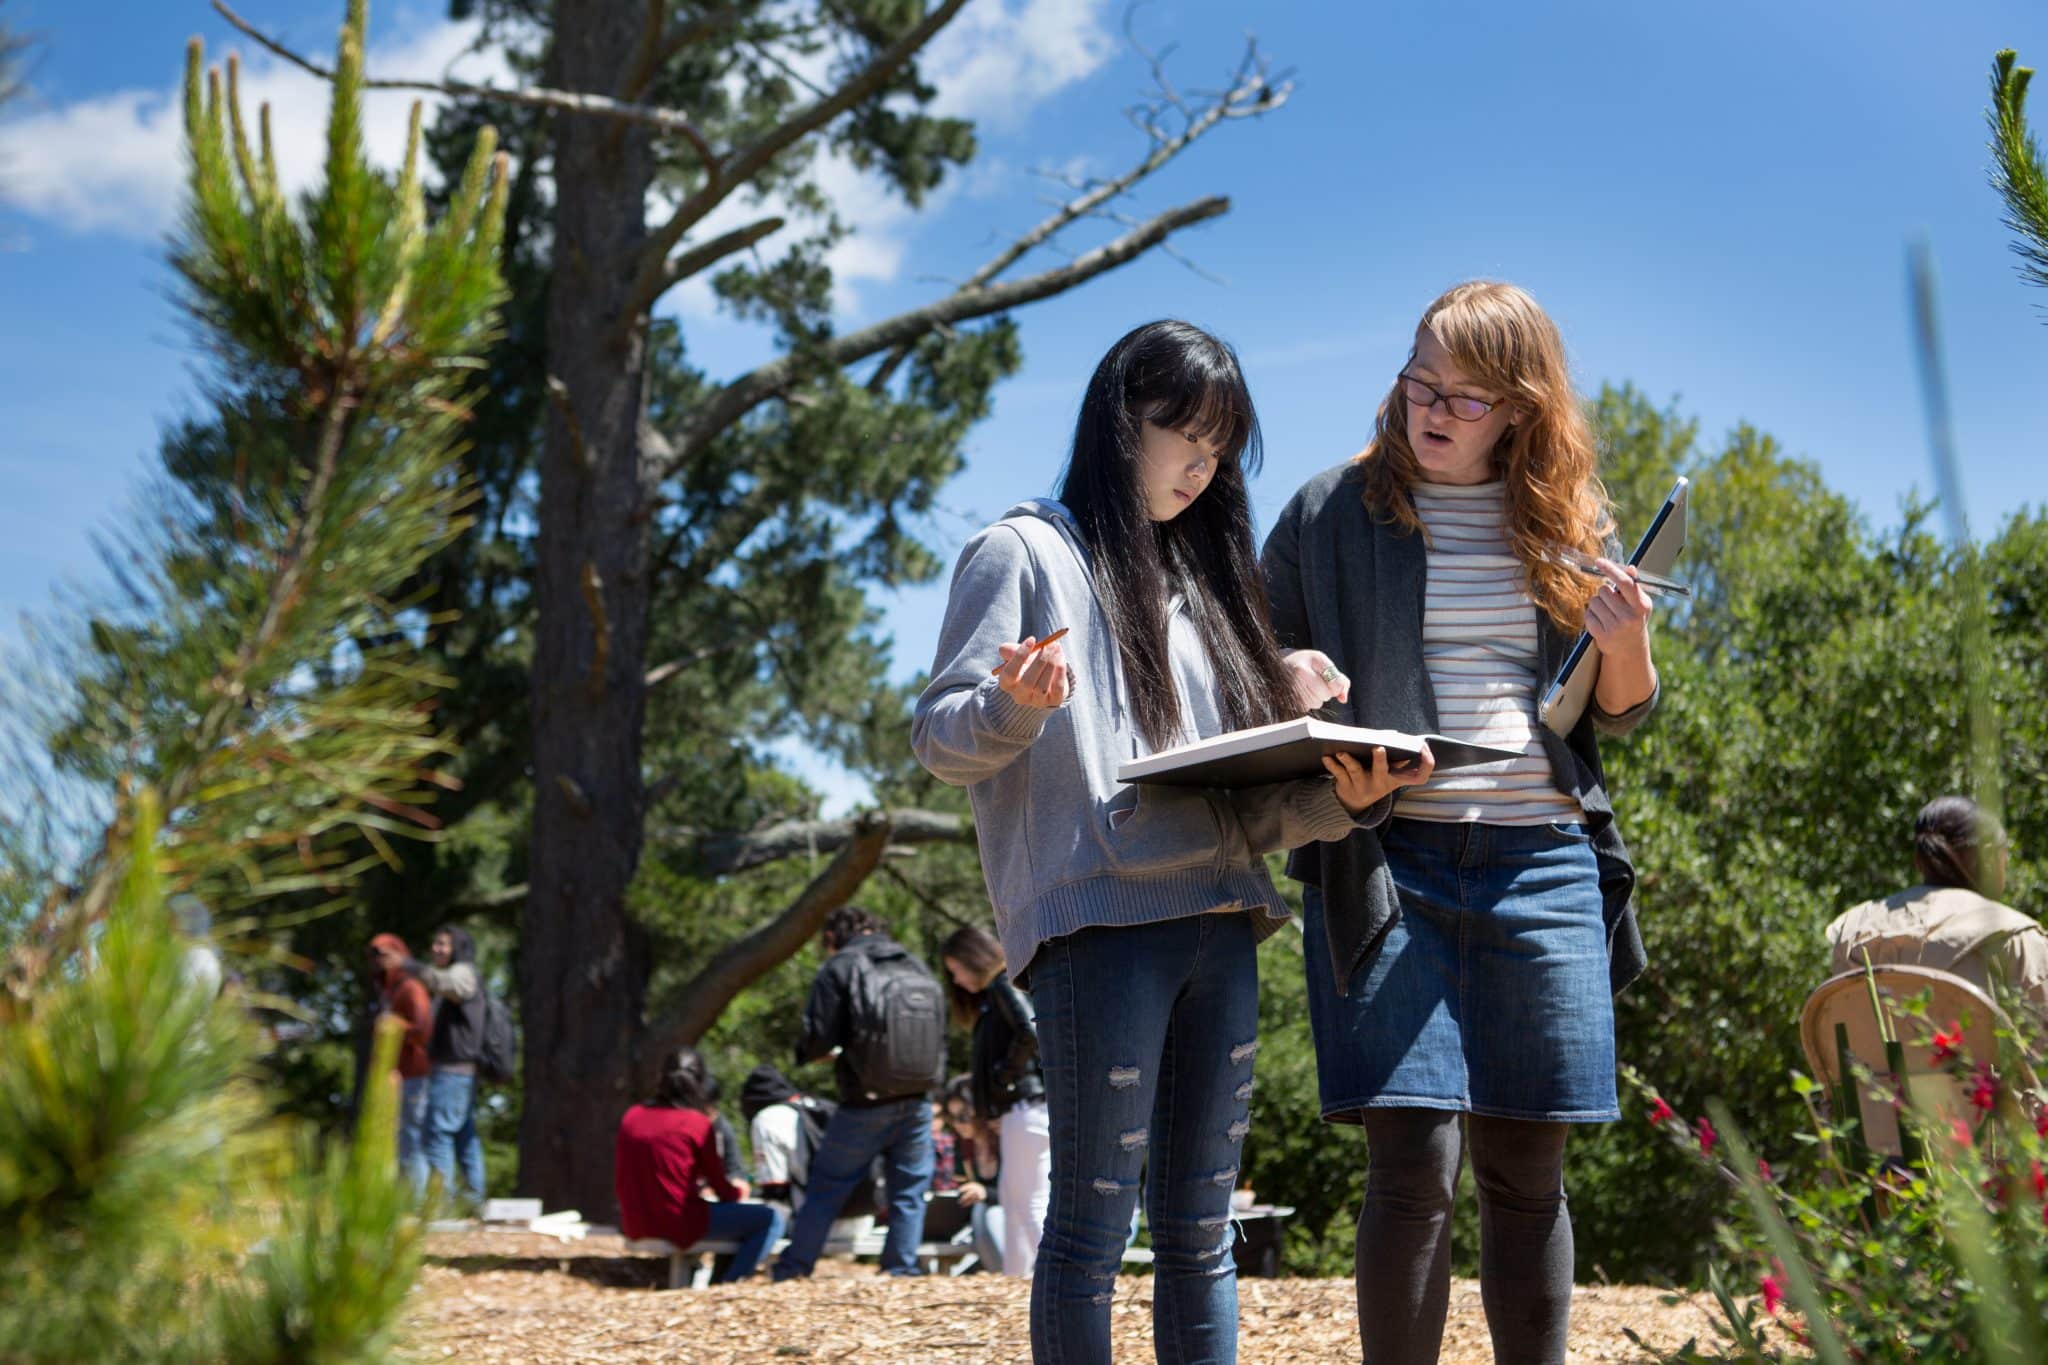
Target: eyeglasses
[1461,406]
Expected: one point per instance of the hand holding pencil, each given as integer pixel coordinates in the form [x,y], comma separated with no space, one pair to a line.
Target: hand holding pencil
[1034,671]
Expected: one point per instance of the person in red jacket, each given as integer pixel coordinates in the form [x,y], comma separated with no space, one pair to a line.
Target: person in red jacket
[405,999]
[666,1154]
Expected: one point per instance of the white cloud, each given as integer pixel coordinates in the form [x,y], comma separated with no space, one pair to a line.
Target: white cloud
[115,163]
[998,61]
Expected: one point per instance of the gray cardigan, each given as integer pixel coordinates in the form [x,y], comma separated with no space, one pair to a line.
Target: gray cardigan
[1064,845]
[1351,586]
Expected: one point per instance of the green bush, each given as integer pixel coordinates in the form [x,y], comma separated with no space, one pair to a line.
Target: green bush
[1941,1257]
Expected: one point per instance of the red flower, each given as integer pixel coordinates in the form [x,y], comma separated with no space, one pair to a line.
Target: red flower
[1763,1168]
[1984,1094]
[2041,1122]
[1661,1112]
[2040,1181]
[1773,1291]
[1960,1131]
[1707,1136]
[1948,1045]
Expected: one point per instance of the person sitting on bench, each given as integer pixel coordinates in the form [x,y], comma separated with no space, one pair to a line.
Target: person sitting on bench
[665,1154]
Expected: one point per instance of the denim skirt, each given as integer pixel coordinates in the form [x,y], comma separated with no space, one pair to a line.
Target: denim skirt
[1490,991]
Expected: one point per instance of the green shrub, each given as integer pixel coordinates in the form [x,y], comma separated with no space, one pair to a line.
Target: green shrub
[1944,1257]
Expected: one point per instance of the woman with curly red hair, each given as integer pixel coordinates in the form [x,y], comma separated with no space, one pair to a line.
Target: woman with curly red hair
[1462,949]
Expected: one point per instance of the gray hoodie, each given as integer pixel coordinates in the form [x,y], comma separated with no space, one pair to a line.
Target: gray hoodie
[1064,845]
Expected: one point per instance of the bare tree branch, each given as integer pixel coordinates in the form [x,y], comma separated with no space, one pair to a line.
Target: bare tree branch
[723,852]
[1250,93]
[662,673]
[747,392]
[740,964]
[533,97]
[707,254]
[722,178]
[658,49]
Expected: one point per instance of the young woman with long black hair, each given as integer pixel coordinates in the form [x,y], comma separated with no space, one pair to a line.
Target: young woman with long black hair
[1132,914]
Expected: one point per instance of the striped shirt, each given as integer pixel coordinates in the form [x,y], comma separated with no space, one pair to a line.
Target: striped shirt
[1479,645]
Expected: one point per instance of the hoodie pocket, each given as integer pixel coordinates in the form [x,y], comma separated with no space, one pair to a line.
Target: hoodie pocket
[1122,808]
[1159,829]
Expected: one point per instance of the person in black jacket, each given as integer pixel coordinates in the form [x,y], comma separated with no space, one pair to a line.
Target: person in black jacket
[878,1011]
[1009,1089]
[450,1142]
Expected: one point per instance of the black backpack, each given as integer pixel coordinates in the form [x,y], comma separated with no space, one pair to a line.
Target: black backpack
[898,1019]
[497,1058]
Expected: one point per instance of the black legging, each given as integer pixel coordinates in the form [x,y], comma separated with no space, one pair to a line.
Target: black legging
[1404,1241]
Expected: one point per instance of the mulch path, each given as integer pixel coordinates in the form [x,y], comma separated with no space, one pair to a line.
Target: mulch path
[501,1296]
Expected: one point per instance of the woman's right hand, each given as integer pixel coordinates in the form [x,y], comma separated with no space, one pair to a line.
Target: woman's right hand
[1034,679]
[1317,678]
[1360,788]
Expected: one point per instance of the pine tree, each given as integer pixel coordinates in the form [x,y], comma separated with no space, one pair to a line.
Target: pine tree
[252,717]
[2019,176]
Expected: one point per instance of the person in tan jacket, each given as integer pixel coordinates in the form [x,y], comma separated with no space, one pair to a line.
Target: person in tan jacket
[1951,921]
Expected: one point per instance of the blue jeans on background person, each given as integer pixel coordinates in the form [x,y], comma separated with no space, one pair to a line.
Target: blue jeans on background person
[412,1130]
[985,1221]
[754,1226]
[450,1138]
[900,1131]
[1146,1035]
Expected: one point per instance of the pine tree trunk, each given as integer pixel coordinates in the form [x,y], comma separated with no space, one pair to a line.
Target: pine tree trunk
[582,962]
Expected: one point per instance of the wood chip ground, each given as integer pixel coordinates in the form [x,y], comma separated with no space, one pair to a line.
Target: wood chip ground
[494,1296]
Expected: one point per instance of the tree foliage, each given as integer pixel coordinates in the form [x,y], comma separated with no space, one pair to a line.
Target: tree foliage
[252,718]
[2017,172]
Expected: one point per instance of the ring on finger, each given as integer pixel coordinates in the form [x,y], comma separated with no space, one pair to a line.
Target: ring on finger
[1328,673]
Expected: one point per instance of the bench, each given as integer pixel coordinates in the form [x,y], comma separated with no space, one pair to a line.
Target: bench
[1257,1249]
[691,1267]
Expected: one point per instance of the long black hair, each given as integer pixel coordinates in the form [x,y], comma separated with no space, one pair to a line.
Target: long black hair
[1181,378]
[685,1082]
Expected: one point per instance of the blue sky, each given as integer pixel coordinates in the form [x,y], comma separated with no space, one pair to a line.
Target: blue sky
[1713,200]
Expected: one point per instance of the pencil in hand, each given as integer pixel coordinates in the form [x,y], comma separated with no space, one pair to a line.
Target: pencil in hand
[1036,646]
[1655,582]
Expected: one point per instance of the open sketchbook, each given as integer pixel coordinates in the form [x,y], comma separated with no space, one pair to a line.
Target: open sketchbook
[1293,749]
[1564,701]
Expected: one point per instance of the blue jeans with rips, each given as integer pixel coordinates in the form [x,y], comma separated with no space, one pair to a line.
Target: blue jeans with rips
[1146,1034]
[901,1132]
[450,1139]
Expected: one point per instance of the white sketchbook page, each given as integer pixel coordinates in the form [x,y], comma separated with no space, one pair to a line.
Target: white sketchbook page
[1280,735]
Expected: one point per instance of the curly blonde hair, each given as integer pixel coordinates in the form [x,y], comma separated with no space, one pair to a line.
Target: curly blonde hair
[1501,337]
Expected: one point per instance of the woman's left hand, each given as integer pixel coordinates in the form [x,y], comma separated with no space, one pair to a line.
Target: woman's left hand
[1618,616]
[1360,788]
[972,1193]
